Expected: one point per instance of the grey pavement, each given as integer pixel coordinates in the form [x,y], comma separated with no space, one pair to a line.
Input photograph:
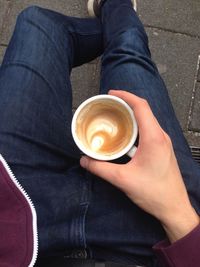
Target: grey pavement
[173,28]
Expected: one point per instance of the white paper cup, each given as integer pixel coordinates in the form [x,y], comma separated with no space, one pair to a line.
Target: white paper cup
[129,149]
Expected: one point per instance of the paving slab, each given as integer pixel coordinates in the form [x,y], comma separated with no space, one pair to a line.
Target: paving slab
[193,138]
[194,124]
[67,7]
[175,15]
[176,57]
[2,52]
[3,9]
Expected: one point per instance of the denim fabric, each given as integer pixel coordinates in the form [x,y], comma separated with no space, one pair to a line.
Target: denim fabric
[77,210]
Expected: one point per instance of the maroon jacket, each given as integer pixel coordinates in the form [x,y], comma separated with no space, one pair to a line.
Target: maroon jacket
[183,253]
[18,230]
[18,226]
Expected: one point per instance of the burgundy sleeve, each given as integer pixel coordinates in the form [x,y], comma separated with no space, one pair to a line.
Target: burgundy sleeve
[183,253]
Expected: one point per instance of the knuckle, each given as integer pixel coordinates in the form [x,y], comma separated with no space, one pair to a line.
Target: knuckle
[119,176]
[168,139]
[164,143]
[159,139]
[90,165]
[144,102]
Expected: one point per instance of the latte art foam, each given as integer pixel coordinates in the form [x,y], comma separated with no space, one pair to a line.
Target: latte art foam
[102,131]
[104,127]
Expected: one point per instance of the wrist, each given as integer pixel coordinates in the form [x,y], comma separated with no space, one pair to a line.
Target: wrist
[181,223]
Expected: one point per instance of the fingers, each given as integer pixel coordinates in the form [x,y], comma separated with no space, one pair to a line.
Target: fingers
[108,171]
[147,123]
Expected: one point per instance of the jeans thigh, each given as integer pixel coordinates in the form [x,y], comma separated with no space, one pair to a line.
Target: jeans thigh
[35,139]
[35,122]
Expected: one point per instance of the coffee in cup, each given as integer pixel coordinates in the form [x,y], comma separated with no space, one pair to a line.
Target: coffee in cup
[104,127]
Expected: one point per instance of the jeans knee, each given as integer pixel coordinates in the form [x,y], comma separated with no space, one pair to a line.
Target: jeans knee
[134,40]
[31,13]
[135,35]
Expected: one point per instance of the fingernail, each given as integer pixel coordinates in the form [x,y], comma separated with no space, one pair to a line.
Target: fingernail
[84,162]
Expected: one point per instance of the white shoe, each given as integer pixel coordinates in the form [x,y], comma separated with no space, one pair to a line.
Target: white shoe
[93,7]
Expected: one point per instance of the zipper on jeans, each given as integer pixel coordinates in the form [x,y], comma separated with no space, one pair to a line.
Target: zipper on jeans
[34,215]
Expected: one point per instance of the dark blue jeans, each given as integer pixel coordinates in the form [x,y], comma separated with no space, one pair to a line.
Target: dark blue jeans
[76,210]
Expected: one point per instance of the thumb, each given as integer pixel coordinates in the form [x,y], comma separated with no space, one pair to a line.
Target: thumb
[106,170]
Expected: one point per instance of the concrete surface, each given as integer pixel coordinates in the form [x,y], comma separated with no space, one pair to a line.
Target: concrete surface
[176,57]
[3,8]
[194,123]
[181,16]
[2,51]
[173,28]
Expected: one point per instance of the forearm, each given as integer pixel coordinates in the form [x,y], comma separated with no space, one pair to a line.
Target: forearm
[181,223]
[183,248]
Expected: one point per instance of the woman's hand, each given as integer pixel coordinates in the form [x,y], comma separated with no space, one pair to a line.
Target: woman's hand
[152,178]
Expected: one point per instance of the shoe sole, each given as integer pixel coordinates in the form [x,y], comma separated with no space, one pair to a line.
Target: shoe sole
[134,4]
[91,9]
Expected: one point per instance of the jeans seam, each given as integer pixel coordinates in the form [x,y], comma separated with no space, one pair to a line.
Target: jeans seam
[85,207]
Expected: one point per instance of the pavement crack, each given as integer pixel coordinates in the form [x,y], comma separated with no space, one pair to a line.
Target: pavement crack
[193,95]
[171,31]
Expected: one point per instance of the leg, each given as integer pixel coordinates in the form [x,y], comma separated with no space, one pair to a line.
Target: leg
[123,232]
[35,115]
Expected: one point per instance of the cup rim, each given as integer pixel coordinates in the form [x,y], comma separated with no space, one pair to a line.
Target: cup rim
[92,154]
